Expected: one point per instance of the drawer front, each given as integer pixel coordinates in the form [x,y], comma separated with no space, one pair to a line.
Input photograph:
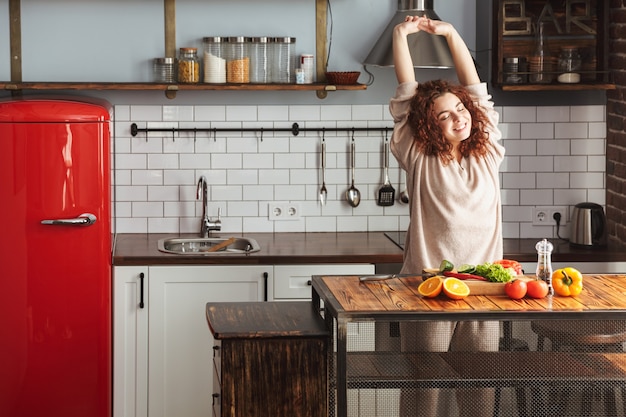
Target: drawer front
[294,281]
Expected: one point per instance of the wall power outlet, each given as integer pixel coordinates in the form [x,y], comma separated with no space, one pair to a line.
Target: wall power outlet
[544,215]
[283,211]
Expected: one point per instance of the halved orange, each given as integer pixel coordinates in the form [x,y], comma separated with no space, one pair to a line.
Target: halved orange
[455,288]
[431,287]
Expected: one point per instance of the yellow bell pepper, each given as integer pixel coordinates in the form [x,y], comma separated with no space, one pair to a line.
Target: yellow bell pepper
[567,282]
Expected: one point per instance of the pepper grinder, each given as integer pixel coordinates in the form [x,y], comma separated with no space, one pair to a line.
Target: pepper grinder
[544,263]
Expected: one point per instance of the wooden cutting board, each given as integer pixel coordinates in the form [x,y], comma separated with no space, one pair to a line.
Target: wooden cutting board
[490,288]
[485,287]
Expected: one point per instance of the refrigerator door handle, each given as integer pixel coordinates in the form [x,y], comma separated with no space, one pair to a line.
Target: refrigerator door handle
[85,219]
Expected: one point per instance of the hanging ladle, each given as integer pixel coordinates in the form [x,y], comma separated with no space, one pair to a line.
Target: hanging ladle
[353,195]
[323,191]
[404,194]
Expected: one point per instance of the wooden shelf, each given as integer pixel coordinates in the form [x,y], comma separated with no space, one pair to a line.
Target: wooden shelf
[16,84]
[6,85]
[557,87]
[584,26]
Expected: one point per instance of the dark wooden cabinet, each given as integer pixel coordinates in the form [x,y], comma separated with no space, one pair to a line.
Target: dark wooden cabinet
[270,359]
[579,24]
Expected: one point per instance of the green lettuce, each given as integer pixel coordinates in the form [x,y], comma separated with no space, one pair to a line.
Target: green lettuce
[493,272]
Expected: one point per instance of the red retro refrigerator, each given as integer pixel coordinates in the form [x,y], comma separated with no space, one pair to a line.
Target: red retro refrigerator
[55,258]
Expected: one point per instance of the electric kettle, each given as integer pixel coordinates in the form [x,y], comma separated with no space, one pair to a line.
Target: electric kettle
[588,225]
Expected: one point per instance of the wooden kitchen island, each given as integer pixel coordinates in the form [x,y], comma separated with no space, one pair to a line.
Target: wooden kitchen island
[552,382]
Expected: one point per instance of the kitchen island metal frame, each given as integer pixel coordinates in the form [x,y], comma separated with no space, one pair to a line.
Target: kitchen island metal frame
[344,299]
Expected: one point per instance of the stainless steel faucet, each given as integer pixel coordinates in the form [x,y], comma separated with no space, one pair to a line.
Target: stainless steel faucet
[206,224]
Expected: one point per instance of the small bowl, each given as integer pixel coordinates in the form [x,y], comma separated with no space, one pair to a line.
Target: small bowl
[342,77]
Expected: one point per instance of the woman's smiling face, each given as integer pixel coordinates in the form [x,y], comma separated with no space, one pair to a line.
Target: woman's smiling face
[453,118]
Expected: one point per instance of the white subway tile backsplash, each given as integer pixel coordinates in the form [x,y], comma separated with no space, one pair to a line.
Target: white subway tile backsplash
[553,180]
[593,113]
[555,155]
[519,114]
[304,113]
[570,163]
[553,114]
[145,113]
[588,147]
[597,130]
[210,113]
[177,113]
[336,112]
[273,113]
[537,131]
[367,113]
[571,130]
[241,113]
[163,193]
[587,180]
[536,164]
[147,209]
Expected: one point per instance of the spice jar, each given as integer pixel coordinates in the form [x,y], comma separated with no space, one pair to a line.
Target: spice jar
[164,70]
[569,65]
[237,60]
[188,66]
[214,61]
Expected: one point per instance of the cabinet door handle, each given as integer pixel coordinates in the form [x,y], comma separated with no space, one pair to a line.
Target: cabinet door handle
[265,278]
[141,303]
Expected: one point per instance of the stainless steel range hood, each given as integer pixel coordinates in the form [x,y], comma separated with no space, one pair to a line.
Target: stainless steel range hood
[427,51]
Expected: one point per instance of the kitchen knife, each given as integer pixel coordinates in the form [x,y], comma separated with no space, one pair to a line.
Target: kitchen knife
[391,276]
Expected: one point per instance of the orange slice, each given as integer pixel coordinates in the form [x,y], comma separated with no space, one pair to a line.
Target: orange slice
[455,288]
[431,287]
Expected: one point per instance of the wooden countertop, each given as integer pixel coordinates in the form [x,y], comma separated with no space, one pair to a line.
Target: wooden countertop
[397,299]
[328,248]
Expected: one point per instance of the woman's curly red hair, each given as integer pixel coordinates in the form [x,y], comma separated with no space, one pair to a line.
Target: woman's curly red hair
[425,127]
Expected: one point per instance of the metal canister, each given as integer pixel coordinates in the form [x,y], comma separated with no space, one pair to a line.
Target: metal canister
[164,70]
[515,69]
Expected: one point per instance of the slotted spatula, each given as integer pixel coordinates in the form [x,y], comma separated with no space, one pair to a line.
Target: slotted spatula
[386,193]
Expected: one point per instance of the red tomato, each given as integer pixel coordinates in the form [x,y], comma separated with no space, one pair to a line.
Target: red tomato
[515,289]
[511,264]
[537,288]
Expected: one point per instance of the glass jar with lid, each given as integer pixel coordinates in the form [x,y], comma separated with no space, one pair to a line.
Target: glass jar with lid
[238,60]
[570,64]
[284,60]
[260,60]
[214,60]
[188,66]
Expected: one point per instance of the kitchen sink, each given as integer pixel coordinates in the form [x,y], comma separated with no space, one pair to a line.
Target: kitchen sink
[205,246]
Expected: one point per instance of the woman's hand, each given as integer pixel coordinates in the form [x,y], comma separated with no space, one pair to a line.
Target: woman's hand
[436,27]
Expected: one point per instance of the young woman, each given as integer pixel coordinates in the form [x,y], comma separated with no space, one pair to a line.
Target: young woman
[446,139]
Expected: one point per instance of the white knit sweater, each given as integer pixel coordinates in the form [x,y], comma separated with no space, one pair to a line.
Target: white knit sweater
[455,209]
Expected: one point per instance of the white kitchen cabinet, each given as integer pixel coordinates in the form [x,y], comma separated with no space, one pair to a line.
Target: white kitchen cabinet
[293,282]
[130,342]
[163,352]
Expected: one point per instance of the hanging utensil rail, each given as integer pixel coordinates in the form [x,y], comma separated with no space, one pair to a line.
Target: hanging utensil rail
[295,129]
